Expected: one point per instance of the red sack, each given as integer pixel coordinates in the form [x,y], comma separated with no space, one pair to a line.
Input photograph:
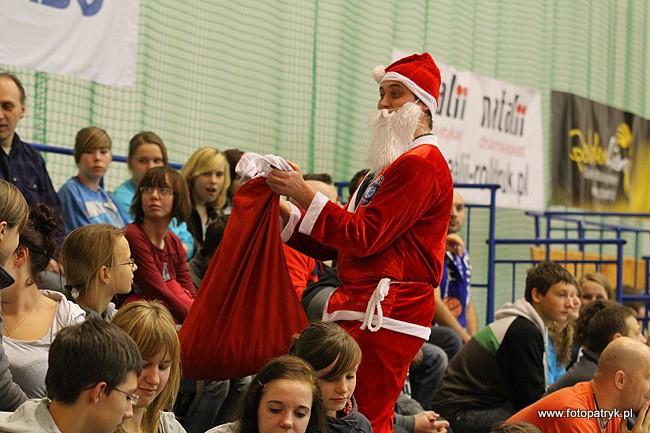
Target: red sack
[246,309]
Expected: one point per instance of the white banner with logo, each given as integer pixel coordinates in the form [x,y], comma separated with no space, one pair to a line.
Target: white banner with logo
[490,131]
[91,39]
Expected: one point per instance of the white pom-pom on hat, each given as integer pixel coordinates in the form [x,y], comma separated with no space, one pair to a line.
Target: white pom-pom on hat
[378,73]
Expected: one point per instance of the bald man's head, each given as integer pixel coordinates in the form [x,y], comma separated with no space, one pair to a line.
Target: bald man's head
[624,368]
[622,354]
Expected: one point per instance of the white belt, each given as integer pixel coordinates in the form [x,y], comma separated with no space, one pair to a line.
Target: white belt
[374,322]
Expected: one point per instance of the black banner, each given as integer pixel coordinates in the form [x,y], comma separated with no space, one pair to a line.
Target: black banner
[601,156]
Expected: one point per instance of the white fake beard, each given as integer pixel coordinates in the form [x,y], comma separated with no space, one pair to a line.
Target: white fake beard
[394,132]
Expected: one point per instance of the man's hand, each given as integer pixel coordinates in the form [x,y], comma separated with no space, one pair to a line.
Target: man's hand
[455,244]
[291,183]
[425,422]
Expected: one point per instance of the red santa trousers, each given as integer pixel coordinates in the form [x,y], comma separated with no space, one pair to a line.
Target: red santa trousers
[387,354]
[246,310]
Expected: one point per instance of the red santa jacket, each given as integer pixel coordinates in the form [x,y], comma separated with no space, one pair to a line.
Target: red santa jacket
[396,230]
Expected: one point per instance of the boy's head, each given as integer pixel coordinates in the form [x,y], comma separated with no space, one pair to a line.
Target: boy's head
[94,366]
[552,291]
[612,322]
[544,275]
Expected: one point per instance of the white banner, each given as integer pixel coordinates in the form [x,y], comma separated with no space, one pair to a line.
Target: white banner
[490,131]
[91,39]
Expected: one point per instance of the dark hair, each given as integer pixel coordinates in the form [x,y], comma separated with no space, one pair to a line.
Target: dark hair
[145,137]
[604,324]
[587,313]
[356,180]
[164,177]
[213,235]
[88,353]
[323,343]
[233,156]
[37,237]
[17,82]
[283,367]
[321,177]
[544,275]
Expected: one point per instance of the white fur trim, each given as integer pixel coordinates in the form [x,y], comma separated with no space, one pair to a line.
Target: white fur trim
[352,206]
[315,208]
[423,96]
[378,73]
[419,331]
[253,165]
[290,227]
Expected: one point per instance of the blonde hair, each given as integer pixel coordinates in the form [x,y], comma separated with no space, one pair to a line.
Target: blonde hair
[152,328]
[598,278]
[88,139]
[85,250]
[201,161]
[562,340]
[13,206]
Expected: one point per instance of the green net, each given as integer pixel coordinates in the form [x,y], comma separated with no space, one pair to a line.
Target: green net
[292,77]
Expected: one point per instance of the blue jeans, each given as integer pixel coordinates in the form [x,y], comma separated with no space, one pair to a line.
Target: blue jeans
[447,339]
[426,376]
[479,420]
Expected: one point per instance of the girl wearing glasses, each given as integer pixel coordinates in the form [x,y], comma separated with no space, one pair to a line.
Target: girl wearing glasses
[154,331]
[98,265]
[162,272]
[147,150]
[32,317]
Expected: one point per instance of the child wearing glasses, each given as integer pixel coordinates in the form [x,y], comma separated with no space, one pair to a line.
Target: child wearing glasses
[33,317]
[91,381]
[147,150]
[83,199]
[98,265]
[162,272]
[154,331]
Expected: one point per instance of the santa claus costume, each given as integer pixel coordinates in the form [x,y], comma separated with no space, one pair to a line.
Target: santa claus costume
[390,244]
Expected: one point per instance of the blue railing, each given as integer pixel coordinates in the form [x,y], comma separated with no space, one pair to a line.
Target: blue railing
[68,151]
[618,260]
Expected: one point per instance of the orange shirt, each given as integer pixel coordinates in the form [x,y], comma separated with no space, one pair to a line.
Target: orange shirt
[301,268]
[568,410]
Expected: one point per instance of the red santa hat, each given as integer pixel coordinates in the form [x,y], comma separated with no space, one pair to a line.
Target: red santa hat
[419,73]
